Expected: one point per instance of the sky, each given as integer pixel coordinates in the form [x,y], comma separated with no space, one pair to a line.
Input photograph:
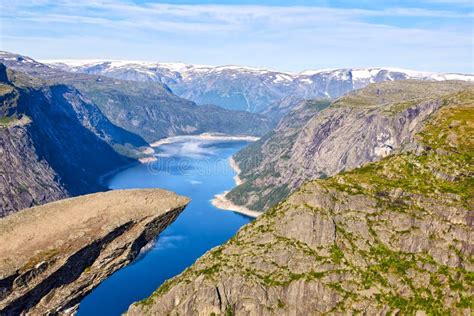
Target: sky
[428,35]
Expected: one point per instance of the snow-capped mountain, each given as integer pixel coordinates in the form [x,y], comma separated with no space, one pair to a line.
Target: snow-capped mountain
[247,88]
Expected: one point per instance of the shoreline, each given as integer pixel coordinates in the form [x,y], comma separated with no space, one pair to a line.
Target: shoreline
[114,171]
[204,136]
[237,171]
[219,201]
[144,160]
[223,203]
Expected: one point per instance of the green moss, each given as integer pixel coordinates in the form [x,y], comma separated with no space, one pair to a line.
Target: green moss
[21,189]
[466,302]
[209,271]
[280,304]
[6,120]
[336,254]
[229,311]
[46,255]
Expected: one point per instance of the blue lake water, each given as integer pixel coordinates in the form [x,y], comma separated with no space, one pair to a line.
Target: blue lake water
[194,168]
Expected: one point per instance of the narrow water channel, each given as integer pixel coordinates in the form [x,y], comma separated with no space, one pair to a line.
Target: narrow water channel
[195,168]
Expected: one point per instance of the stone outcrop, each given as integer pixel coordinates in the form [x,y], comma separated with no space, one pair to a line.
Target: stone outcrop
[316,140]
[53,255]
[392,237]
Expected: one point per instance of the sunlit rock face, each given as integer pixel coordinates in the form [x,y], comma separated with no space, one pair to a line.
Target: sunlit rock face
[391,237]
[319,139]
[54,255]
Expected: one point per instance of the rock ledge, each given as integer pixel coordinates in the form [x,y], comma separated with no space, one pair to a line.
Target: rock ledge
[53,255]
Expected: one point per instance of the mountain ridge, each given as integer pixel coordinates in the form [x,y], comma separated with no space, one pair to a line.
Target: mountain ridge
[249,88]
[75,64]
[149,109]
[319,139]
[55,143]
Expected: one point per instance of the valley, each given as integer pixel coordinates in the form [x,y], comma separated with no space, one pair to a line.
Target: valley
[192,166]
[330,191]
[236,158]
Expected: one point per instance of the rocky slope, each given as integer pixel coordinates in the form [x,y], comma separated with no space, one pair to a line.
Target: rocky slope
[315,142]
[25,180]
[246,88]
[148,109]
[54,142]
[393,237]
[55,254]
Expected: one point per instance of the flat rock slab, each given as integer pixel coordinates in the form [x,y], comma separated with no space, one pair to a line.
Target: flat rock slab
[76,243]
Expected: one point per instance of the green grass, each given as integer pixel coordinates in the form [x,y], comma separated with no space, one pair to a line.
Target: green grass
[336,254]
[6,120]
[5,89]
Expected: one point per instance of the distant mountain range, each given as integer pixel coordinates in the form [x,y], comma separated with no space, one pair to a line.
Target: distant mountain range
[246,88]
[149,109]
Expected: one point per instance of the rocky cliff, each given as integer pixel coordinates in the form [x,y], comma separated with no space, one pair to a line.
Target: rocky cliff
[317,140]
[54,143]
[25,179]
[392,237]
[55,254]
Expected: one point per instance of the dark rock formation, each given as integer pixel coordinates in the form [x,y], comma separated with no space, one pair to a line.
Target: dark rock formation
[53,143]
[25,179]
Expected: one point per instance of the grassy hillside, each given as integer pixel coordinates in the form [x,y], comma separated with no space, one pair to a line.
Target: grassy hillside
[394,236]
[316,141]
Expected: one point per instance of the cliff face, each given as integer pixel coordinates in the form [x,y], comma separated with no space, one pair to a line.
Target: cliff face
[53,255]
[54,143]
[25,180]
[315,142]
[394,236]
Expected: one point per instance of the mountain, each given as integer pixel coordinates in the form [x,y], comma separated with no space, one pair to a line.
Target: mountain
[148,109]
[317,140]
[391,237]
[54,255]
[54,142]
[247,88]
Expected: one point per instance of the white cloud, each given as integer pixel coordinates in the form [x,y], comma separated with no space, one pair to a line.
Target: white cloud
[293,37]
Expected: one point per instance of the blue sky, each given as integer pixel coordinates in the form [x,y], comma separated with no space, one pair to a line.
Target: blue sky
[431,35]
